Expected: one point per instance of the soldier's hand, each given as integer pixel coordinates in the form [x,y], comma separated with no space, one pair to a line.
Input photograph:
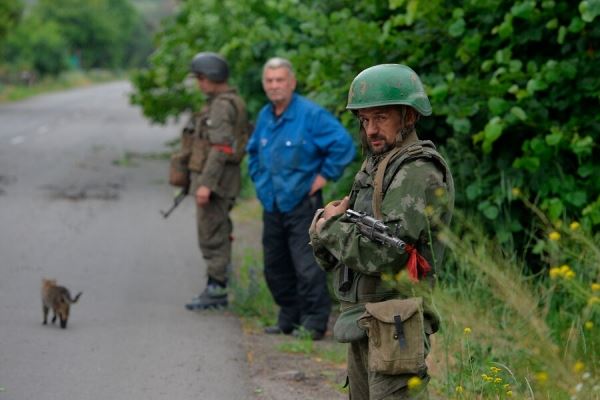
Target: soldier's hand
[203,196]
[336,207]
[332,209]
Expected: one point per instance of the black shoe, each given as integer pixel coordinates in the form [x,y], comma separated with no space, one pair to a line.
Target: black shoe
[214,296]
[276,330]
[304,333]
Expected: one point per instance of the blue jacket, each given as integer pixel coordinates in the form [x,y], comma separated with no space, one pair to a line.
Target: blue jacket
[285,154]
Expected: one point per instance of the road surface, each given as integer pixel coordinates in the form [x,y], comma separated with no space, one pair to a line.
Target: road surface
[75,206]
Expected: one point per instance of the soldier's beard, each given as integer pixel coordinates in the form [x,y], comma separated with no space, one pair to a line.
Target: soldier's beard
[380,149]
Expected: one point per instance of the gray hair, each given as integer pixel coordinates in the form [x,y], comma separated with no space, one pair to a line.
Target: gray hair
[278,62]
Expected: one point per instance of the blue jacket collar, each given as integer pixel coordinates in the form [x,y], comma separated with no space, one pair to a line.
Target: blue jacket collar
[290,112]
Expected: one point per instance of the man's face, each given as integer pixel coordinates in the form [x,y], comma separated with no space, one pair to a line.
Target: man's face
[381,125]
[279,84]
[206,86]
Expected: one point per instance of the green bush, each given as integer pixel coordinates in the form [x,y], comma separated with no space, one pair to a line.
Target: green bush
[513,86]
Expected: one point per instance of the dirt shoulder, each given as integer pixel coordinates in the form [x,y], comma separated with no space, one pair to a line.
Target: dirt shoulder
[283,367]
[281,375]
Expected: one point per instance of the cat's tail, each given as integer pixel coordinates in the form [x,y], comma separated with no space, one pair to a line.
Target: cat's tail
[73,300]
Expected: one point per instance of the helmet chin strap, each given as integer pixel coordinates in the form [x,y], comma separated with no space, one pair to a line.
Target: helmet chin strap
[405,129]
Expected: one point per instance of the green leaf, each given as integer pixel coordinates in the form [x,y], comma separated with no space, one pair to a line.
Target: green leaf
[577,198]
[457,28]
[523,10]
[585,170]
[562,33]
[492,131]
[534,85]
[489,210]
[394,4]
[497,106]
[519,113]
[531,164]
[552,24]
[589,10]
[473,191]
[582,146]
[554,208]
[554,137]
[461,125]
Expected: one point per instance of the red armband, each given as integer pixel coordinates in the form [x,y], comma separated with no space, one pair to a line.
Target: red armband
[223,148]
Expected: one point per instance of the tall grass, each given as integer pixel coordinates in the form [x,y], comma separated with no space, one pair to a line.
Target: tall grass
[507,333]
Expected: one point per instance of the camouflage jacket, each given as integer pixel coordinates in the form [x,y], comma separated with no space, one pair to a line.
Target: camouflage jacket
[210,137]
[418,196]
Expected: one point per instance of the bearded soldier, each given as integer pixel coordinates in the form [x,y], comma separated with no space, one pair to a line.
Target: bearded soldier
[403,190]
[213,144]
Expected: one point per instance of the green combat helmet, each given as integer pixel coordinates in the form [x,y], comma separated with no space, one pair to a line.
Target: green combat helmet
[388,84]
[211,65]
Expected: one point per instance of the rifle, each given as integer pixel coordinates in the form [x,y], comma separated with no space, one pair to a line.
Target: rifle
[374,230]
[178,199]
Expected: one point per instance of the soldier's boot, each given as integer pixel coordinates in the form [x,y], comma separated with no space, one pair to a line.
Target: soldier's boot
[214,296]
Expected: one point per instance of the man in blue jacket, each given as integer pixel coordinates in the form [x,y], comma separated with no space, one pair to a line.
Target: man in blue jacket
[297,146]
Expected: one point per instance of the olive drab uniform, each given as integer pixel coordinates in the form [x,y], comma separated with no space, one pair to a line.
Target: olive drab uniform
[213,143]
[417,196]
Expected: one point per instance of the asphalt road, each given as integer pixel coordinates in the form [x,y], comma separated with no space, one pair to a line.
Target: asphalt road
[68,212]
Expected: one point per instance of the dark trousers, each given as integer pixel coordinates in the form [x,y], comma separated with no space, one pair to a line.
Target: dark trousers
[296,281]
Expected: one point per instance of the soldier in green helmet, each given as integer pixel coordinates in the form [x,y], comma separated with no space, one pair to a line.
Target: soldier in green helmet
[384,291]
[208,166]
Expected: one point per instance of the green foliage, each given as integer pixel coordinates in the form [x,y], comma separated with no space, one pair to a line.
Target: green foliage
[55,35]
[38,46]
[513,84]
[10,13]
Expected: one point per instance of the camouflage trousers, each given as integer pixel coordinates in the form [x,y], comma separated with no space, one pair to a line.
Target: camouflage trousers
[367,385]
[214,235]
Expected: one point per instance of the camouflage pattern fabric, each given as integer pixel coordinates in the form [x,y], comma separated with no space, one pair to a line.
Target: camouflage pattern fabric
[418,197]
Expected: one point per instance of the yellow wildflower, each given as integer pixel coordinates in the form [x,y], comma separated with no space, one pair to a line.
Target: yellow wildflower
[509,393]
[414,383]
[589,325]
[541,377]
[574,225]
[516,192]
[498,380]
[467,331]
[595,287]
[554,272]
[429,210]
[578,367]
[484,377]
[564,269]
[439,192]
[554,236]
[459,389]
[593,300]
[569,274]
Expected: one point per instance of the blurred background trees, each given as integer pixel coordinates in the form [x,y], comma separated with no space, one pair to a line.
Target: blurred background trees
[47,37]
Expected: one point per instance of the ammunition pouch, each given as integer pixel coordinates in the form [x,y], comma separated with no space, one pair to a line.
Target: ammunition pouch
[346,329]
[396,331]
[179,174]
[200,149]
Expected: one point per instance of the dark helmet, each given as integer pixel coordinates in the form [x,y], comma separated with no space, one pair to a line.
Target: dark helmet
[211,65]
[388,84]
